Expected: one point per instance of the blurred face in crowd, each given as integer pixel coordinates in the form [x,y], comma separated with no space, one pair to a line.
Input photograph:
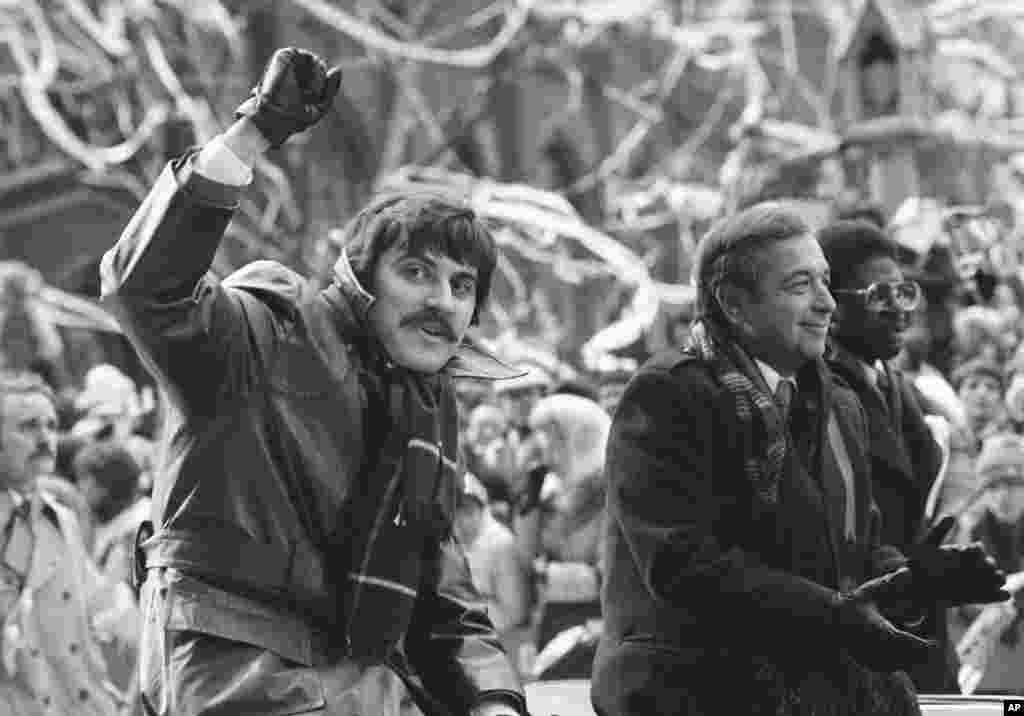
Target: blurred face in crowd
[469,520]
[423,307]
[486,424]
[518,403]
[1006,501]
[784,320]
[981,396]
[872,335]
[28,438]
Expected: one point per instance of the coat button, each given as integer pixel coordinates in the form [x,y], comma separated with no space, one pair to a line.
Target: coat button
[34,652]
[83,694]
[73,648]
[44,700]
[66,595]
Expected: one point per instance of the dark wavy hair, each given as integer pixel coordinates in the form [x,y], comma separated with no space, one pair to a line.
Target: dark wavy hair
[424,222]
[728,252]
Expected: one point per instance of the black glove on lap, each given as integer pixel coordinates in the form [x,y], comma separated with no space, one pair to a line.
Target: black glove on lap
[954,574]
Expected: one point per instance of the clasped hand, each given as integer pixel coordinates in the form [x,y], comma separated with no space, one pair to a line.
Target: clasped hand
[953,574]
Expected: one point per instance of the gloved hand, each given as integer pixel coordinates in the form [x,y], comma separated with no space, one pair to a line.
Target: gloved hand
[296,90]
[954,574]
[872,639]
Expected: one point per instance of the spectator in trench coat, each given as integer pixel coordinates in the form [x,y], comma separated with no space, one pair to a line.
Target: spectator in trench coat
[59,613]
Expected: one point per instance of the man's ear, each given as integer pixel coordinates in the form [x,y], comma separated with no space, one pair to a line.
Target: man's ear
[731,301]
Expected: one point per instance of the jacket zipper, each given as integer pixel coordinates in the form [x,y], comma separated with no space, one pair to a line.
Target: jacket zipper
[377,524]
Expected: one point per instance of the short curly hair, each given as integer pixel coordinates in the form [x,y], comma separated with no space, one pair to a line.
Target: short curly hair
[848,245]
[424,222]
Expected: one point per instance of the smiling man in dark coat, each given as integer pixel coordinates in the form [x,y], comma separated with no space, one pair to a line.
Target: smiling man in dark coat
[741,526]
[875,307]
[303,558]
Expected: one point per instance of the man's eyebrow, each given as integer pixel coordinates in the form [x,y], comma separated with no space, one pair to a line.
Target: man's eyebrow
[807,273]
[466,271]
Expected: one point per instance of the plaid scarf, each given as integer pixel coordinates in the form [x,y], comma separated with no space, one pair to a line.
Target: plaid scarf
[753,406]
[402,505]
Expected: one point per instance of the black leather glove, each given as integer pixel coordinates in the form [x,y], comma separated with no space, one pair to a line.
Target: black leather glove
[954,574]
[872,639]
[296,90]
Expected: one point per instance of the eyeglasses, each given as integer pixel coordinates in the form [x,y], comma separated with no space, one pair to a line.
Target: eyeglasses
[878,297]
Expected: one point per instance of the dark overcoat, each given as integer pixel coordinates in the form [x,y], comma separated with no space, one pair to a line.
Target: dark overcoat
[905,461]
[706,584]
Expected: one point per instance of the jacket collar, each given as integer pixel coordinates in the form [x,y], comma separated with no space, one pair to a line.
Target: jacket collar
[471,360]
[849,366]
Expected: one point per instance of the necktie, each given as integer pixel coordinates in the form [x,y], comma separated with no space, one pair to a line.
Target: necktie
[884,386]
[784,398]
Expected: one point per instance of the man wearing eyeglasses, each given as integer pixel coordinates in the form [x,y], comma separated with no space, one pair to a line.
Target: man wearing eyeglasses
[874,310]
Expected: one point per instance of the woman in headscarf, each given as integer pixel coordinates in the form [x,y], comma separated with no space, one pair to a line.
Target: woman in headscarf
[995,518]
[561,527]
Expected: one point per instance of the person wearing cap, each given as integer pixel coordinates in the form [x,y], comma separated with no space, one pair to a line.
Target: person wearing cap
[999,495]
[499,570]
[994,518]
[58,611]
[742,534]
[875,306]
[301,556]
[981,383]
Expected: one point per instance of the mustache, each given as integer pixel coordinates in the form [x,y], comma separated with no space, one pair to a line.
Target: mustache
[430,316]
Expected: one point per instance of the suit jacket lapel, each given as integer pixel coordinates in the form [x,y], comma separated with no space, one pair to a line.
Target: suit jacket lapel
[885,443]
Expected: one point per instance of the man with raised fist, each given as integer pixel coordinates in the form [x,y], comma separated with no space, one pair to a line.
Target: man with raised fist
[301,556]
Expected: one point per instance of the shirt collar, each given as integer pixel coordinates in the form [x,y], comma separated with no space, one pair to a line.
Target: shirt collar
[872,371]
[771,376]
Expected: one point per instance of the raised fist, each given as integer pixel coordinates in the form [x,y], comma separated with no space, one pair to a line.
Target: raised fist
[296,90]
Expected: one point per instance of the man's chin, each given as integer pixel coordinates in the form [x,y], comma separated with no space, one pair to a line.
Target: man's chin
[424,362]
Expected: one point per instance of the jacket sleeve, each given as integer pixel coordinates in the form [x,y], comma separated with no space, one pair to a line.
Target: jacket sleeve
[663,457]
[925,451]
[453,646]
[190,331]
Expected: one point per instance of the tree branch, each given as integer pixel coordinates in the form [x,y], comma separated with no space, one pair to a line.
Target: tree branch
[476,57]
